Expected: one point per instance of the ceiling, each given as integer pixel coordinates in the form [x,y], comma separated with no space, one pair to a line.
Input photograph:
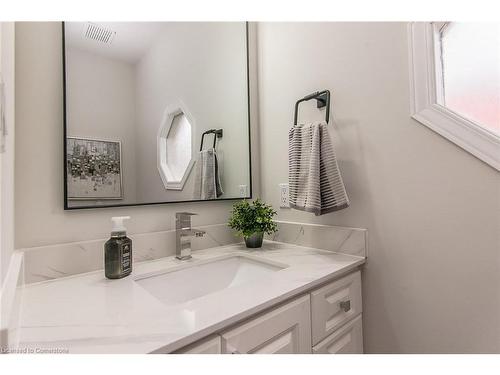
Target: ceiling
[129,44]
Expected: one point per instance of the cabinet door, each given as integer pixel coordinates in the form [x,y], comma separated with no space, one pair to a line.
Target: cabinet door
[207,346]
[346,340]
[286,330]
[335,304]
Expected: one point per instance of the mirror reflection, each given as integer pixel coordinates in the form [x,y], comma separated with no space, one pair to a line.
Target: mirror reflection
[156,112]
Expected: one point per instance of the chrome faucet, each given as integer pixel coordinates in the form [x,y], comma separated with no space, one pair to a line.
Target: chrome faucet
[183,234]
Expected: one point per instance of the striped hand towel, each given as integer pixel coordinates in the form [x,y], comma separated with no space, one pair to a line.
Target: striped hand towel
[315,183]
[207,183]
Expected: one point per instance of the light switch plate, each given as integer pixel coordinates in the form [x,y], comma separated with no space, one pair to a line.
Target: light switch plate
[284,201]
[243,191]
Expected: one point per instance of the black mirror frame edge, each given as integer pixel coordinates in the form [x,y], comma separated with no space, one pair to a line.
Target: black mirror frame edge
[67,208]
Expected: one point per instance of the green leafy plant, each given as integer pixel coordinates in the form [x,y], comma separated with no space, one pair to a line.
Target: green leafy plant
[249,218]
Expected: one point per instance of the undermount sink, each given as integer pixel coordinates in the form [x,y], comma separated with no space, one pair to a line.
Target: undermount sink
[205,277]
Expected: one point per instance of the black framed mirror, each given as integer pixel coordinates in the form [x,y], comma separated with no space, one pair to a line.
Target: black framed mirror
[155,112]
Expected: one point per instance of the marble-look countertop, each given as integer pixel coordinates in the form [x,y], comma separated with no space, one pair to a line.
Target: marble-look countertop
[88,313]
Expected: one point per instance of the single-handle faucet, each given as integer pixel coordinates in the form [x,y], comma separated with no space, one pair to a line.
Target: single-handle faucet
[183,234]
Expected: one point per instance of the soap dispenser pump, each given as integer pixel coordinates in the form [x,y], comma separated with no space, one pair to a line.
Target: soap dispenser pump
[118,251]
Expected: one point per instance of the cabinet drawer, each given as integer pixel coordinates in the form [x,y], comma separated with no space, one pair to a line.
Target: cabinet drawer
[335,304]
[205,346]
[286,329]
[347,339]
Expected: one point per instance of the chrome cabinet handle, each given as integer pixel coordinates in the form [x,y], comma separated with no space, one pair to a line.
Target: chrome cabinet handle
[232,350]
[345,305]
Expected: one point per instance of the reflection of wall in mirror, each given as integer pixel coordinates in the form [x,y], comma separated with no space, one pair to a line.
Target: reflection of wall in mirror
[205,69]
[101,105]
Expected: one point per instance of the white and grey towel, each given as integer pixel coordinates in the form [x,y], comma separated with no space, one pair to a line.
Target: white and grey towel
[207,181]
[315,183]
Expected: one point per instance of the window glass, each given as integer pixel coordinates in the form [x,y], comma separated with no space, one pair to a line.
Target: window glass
[471,71]
[179,147]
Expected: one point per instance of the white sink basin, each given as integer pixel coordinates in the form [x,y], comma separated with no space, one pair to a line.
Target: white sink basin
[205,277]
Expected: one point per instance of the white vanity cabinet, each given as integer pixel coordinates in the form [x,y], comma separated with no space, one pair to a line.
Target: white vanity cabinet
[284,330]
[346,340]
[326,320]
[335,304]
[211,345]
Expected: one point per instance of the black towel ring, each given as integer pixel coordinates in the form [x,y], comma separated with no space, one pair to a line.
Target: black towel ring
[322,100]
[217,134]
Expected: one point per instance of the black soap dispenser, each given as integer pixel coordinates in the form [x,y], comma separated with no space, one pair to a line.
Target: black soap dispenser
[118,251]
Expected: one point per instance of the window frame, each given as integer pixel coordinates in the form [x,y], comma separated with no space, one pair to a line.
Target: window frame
[166,175]
[426,92]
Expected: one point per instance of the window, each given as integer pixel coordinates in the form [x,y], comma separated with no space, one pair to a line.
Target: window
[470,65]
[455,78]
[175,147]
[179,146]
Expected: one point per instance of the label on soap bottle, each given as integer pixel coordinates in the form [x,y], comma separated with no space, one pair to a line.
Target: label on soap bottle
[126,255]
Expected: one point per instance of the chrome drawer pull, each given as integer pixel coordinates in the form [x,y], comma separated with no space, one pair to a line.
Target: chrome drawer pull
[232,350]
[345,305]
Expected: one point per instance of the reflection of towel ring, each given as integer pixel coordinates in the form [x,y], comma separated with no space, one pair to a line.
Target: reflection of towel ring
[217,134]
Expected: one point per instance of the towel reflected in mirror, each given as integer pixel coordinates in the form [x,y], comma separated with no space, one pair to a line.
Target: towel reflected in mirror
[207,184]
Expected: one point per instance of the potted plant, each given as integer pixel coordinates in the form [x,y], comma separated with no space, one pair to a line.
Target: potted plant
[252,220]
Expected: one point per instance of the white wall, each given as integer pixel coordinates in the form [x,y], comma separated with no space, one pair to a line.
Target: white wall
[7,157]
[206,70]
[432,282]
[101,105]
[40,218]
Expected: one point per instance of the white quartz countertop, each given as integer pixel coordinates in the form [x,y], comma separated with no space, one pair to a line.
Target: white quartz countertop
[88,313]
